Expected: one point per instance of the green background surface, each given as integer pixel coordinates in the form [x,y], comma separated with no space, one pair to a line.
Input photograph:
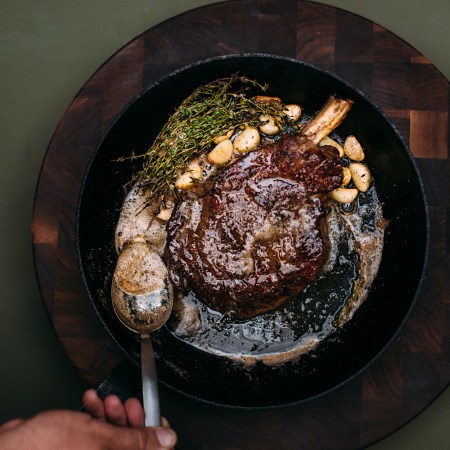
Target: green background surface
[48,50]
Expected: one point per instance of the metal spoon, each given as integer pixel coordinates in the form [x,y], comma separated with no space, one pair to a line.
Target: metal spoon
[142,299]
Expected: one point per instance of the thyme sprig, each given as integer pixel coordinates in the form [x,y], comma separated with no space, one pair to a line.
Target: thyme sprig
[210,111]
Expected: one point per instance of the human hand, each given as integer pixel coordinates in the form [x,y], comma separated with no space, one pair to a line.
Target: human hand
[112,410]
[110,425]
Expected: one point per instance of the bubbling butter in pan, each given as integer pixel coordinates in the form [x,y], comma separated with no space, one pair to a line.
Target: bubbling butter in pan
[297,328]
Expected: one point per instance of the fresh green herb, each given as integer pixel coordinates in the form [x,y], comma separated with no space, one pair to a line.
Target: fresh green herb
[210,111]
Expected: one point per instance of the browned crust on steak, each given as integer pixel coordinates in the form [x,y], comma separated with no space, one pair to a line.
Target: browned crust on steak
[259,236]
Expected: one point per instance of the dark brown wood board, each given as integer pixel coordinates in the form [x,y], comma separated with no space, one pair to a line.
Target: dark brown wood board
[410,90]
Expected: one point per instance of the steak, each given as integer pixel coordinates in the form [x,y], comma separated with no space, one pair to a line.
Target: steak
[259,236]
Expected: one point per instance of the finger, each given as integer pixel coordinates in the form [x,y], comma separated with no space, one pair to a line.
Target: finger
[115,411]
[166,437]
[165,422]
[144,438]
[93,404]
[134,412]
[11,424]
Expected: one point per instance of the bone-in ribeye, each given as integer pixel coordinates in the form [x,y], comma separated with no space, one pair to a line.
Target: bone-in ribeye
[258,237]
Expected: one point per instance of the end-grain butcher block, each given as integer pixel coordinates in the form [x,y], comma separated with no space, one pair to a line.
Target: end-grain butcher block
[259,236]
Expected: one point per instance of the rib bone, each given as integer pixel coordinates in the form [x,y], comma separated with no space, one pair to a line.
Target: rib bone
[330,116]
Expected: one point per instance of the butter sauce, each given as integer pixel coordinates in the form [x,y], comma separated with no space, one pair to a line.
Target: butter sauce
[356,244]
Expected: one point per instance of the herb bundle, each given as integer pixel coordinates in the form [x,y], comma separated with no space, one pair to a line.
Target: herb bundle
[210,111]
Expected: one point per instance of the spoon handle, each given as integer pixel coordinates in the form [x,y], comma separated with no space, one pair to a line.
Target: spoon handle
[150,392]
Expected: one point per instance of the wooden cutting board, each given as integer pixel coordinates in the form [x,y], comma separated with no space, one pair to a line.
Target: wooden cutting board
[410,90]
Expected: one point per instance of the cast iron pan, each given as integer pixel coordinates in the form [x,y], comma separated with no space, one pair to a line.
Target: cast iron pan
[346,353]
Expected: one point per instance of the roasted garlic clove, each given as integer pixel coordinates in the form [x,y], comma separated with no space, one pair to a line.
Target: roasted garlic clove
[353,149]
[268,126]
[328,141]
[344,195]
[221,153]
[346,176]
[247,140]
[293,112]
[360,175]
[222,137]
[187,180]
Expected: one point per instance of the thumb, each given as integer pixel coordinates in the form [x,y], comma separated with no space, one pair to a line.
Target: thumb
[143,438]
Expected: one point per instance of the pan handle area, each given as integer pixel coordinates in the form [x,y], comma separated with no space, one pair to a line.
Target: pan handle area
[124,381]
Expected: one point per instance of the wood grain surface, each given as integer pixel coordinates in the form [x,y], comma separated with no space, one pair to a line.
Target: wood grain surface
[411,91]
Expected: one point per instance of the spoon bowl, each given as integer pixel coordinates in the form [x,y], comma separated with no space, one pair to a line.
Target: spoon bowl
[141,292]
